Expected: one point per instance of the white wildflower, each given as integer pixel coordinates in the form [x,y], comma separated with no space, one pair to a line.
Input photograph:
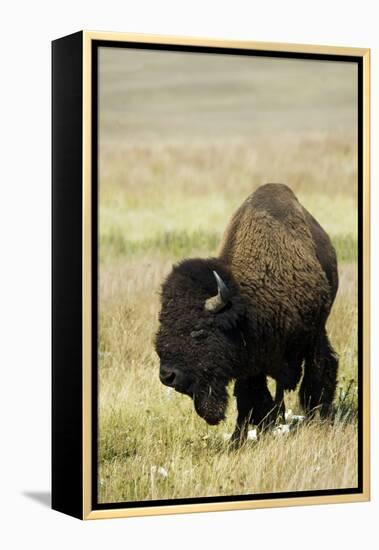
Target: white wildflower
[291,418]
[252,435]
[282,429]
[162,472]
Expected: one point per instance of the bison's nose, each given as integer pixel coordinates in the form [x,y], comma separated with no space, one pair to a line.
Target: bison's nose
[167,376]
[175,378]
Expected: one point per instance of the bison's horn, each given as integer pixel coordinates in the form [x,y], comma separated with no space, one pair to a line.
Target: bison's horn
[218,302]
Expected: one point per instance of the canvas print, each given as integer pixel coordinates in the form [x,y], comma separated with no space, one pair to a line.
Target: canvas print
[227,275]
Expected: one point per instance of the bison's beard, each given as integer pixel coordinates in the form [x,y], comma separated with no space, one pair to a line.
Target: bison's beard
[210,402]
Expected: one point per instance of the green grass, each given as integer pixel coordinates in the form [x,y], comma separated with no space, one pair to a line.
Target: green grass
[176,244]
[180,244]
[346,247]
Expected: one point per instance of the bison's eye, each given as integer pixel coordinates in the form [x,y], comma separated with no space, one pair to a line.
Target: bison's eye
[198,334]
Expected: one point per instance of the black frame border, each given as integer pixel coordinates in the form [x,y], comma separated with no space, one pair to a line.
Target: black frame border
[67,257]
[358,60]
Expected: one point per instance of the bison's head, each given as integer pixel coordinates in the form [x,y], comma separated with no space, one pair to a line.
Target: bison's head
[200,340]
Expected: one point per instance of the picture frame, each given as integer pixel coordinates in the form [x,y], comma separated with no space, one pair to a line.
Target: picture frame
[76,127]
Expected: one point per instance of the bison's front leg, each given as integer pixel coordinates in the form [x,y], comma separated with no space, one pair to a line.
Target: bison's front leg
[255,405]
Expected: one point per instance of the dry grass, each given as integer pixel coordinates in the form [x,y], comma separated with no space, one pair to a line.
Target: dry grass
[165,199]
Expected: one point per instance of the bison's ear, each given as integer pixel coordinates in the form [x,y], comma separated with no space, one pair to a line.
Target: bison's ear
[220,301]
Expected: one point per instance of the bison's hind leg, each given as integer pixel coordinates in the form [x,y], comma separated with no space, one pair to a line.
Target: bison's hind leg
[320,377]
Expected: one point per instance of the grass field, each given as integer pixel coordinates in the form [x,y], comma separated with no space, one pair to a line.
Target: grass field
[167,190]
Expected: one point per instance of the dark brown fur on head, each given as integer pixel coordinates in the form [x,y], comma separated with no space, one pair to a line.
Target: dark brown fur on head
[205,349]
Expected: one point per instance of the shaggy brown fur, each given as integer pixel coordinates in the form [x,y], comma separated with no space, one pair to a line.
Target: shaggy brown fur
[281,270]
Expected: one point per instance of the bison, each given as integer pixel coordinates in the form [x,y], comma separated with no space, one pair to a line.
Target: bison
[259,309]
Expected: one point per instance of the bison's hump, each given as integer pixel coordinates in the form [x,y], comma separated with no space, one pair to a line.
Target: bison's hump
[276,199]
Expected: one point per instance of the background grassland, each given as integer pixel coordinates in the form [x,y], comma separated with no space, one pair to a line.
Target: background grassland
[183,141]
